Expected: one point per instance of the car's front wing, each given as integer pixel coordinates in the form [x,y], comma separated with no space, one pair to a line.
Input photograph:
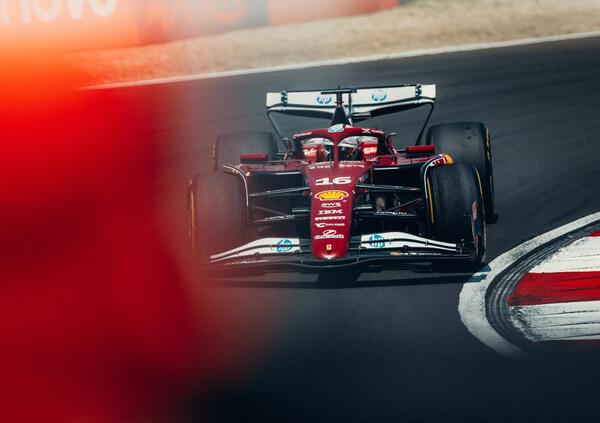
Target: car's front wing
[396,249]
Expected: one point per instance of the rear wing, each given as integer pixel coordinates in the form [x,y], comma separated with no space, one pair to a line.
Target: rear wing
[359,103]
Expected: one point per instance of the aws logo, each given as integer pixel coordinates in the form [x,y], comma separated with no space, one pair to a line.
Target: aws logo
[29,11]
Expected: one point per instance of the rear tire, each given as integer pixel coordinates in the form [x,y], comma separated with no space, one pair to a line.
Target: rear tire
[455,193]
[469,143]
[229,147]
[217,213]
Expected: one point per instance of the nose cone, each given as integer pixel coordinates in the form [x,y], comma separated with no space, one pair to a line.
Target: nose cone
[332,197]
[331,218]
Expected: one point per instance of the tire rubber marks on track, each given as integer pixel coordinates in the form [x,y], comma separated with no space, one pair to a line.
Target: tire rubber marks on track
[472,300]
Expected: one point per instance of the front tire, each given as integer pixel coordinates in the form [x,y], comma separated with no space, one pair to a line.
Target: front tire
[217,213]
[455,211]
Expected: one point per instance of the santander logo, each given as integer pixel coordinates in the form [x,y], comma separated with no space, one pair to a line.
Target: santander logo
[329,234]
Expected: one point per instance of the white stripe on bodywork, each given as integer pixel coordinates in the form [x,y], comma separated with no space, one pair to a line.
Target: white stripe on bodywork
[261,246]
[581,256]
[399,240]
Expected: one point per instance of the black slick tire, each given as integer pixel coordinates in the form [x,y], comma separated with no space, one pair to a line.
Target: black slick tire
[469,142]
[217,213]
[454,195]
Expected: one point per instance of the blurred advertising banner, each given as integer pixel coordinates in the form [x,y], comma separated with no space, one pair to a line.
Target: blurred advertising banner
[85,24]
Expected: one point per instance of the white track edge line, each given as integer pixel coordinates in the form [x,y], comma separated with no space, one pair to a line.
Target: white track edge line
[350,60]
[471,305]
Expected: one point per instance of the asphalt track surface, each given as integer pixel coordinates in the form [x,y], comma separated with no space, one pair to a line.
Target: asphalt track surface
[391,346]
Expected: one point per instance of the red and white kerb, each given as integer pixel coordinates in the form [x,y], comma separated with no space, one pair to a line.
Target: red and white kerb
[559,300]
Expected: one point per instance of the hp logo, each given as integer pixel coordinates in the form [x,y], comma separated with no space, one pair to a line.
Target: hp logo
[379,96]
[284,246]
[377,241]
[324,100]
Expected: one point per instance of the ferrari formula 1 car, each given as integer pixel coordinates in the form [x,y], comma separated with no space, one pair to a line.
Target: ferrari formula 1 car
[344,195]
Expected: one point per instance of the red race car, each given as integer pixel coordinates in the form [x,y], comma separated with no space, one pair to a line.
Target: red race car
[344,195]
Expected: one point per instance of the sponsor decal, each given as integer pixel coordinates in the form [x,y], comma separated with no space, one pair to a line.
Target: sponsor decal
[303,134]
[322,165]
[28,11]
[330,234]
[474,221]
[331,205]
[328,225]
[320,219]
[332,195]
[369,151]
[329,212]
[335,129]
[284,246]
[389,213]
[370,131]
[311,153]
[166,20]
[324,100]
[351,164]
[248,262]
[413,254]
[276,218]
[377,241]
[379,96]
[321,237]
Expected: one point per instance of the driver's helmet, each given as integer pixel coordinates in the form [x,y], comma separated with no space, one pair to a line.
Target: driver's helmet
[349,148]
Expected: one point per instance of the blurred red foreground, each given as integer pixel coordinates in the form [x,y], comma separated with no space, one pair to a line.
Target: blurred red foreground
[94,321]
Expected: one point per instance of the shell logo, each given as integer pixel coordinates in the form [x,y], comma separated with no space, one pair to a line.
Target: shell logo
[332,195]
